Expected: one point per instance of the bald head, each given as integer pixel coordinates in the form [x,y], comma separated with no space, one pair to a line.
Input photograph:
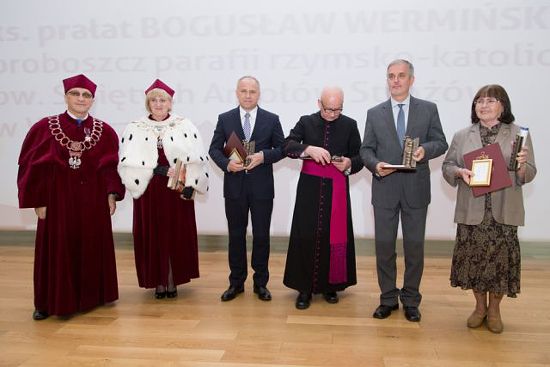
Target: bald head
[331,93]
[331,103]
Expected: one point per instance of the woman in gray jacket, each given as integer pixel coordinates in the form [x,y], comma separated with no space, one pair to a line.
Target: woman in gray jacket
[487,256]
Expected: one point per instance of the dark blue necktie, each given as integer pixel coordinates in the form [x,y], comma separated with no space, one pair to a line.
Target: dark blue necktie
[401,124]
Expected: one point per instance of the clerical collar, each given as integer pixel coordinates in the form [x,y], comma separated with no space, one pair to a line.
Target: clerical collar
[78,119]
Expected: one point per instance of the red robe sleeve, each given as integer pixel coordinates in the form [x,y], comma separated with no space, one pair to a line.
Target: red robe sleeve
[38,154]
[108,162]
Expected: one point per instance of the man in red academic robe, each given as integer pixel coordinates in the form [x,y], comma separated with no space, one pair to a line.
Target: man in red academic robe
[67,173]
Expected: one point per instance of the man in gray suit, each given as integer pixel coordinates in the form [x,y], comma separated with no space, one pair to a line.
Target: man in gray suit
[397,192]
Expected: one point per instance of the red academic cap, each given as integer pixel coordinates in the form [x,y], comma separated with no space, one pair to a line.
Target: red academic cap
[79,81]
[159,84]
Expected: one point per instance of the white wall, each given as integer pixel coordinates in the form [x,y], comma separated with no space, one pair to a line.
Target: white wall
[294,48]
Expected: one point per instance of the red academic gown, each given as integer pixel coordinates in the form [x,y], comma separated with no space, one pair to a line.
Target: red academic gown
[74,266]
[165,232]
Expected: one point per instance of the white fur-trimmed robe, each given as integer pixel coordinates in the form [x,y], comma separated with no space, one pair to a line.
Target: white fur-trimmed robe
[138,153]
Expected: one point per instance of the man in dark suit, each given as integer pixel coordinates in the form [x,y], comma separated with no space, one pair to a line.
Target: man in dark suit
[248,188]
[400,193]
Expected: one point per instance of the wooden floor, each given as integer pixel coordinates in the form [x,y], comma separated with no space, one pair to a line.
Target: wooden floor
[196,329]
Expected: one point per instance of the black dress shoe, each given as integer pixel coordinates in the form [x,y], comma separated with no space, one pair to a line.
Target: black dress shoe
[231,293]
[172,294]
[303,301]
[412,313]
[384,311]
[39,315]
[263,293]
[160,295]
[331,297]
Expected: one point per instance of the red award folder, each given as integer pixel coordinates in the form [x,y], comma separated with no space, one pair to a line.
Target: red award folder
[234,148]
[500,178]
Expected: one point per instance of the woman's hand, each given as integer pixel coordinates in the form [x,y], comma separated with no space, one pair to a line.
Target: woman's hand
[464,174]
[522,160]
[40,212]
[111,198]
[522,156]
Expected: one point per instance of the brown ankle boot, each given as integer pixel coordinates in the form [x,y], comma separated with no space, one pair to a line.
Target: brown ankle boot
[476,320]
[494,324]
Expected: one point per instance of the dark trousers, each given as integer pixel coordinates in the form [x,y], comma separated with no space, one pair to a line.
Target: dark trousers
[413,224]
[236,211]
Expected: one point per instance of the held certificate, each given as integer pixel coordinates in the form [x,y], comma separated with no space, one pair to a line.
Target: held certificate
[482,169]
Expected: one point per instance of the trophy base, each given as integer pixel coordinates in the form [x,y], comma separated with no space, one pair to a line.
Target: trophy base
[399,167]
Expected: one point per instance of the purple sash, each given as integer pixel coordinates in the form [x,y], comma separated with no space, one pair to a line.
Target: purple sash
[338,218]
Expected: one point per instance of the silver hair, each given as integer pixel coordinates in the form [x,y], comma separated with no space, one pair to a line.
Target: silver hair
[402,61]
[248,77]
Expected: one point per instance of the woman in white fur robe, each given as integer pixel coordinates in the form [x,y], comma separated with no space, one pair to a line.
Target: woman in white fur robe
[164,227]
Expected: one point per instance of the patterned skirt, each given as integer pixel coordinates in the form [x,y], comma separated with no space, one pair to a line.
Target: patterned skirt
[487,257]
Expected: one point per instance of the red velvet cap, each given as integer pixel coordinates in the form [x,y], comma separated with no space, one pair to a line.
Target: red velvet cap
[79,81]
[159,84]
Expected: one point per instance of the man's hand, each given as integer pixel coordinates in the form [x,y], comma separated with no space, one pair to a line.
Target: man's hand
[234,166]
[111,198]
[419,153]
[254,160]
[318,154]
[343,165]
[40,212]
[384,171]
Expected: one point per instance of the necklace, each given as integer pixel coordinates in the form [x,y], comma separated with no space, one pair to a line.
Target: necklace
[76,148]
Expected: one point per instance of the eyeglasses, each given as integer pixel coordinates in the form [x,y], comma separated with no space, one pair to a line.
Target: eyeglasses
[86,95]
[487,101]
[331,110]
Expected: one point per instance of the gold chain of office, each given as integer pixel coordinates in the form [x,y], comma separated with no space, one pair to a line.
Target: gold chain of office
[76,148]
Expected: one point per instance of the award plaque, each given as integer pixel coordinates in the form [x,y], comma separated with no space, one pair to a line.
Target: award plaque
[234,149]
[519,143]
[249,148]
[177,181]
[498,170]
[482,169]
[410,145]
[334,158]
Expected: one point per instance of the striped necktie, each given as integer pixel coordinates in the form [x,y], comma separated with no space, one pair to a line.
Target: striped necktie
[247,127]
